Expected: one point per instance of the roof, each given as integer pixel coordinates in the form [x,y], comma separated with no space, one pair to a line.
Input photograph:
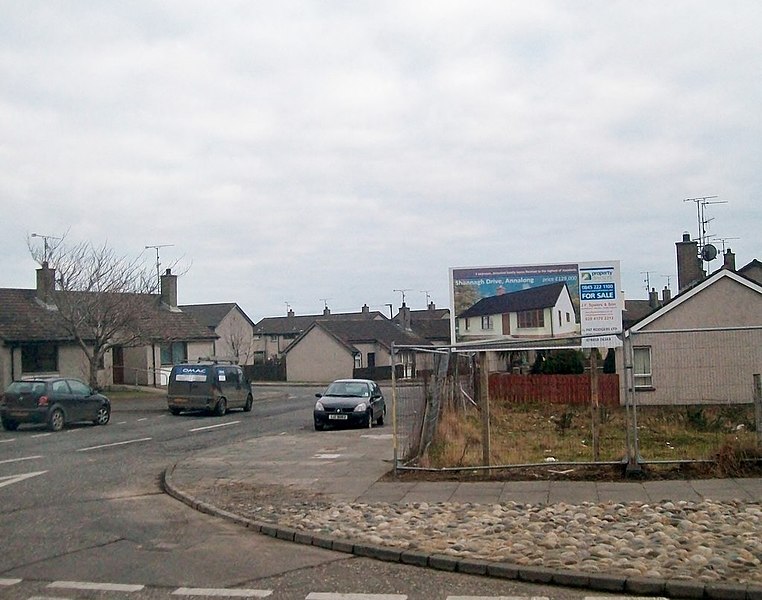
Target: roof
[752,270]
[693,291]
[295,324]
[25,319]
[544,296]
[212,315]
[351,332]
[634,311]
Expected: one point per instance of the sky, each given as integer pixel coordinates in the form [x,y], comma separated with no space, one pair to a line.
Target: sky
[308,154]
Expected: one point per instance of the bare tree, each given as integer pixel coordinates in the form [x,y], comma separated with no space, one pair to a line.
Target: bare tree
[241,344]
[101,298]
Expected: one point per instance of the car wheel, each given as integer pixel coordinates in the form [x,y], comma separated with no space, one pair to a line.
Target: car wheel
[174,411]
[380,421]
[370,418]
[221,408]
[56,420]
[103,416]
[10,425]
[249,402]
[318,426]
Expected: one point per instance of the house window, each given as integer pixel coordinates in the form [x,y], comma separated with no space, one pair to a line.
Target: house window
[642,367]
[174,353]
[467,324]
[568,318]
[530,319]
[39,358]
[487,322]
[273,338]
[358,360]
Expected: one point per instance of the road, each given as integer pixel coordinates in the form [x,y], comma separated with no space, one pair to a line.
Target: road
[85,505]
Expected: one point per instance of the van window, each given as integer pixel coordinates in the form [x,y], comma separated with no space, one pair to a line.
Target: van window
[194,374]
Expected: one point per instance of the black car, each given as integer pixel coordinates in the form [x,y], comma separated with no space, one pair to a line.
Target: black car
[52,401]
[350,402]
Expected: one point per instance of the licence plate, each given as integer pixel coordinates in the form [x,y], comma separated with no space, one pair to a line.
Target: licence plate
[180,401]
[339,417]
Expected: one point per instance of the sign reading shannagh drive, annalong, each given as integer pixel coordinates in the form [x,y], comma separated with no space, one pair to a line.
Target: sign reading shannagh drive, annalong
[581,302]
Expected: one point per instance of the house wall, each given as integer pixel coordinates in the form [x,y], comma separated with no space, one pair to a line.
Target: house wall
[383,357]
[318,357]
[235,332]
[5,367]
[704,367]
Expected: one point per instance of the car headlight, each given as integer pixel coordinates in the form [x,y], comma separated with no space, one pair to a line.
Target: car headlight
[319,406]
[362,407]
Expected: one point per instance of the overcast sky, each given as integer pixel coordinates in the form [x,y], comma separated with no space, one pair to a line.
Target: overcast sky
[305,153]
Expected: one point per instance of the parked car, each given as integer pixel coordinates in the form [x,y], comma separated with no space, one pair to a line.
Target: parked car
[209,386]
[54,401]
[350,402]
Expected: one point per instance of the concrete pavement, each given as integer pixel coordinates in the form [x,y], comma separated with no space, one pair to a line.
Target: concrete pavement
[348,466]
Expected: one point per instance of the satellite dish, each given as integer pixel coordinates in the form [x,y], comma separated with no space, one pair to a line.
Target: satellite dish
[708,252]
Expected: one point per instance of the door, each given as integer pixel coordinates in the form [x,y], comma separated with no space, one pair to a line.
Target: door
[84,400]
[117,354]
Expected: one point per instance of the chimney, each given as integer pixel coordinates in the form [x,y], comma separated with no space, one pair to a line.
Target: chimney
[46,283]
[653,298]
[666,295]
[326,311]
[365,309]
[404,317]
[689,265]
[432,306]
[169,289]
[729,260]
[290,313]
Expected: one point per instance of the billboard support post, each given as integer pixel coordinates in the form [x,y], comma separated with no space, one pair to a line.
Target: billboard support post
[484,405]
[394,408]
[595,404]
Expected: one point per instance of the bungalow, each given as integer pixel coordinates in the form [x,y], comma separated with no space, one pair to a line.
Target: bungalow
[334,349]
[431,323]
[33,340]
[539,312]
[235,330]
[272,335]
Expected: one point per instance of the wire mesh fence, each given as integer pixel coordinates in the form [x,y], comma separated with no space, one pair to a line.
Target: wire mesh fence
[664,405]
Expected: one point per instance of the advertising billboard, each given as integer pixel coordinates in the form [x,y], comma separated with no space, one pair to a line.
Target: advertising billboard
[568,303]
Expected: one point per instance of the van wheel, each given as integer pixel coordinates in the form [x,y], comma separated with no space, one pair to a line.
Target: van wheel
[174,411]
[10,425]
[221,408]
[249,402]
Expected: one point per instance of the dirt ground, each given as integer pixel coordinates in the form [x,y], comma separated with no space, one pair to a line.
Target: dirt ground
[580,473]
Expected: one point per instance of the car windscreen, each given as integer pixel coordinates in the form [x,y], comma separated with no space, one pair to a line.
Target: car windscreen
[348,389]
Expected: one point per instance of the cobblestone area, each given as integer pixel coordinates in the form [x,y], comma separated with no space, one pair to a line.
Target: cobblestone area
[701,541]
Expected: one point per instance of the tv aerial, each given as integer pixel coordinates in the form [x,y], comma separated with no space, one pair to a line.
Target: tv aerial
[707,251]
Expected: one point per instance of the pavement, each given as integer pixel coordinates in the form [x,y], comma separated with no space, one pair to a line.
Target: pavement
[349,466]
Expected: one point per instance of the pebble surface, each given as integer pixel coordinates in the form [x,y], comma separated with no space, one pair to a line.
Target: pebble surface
[705,541]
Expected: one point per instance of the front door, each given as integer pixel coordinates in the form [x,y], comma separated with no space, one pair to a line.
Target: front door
[117,354]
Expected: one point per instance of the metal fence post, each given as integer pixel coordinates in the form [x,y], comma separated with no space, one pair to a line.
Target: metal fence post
[394,408]
[484,405]
[758,405]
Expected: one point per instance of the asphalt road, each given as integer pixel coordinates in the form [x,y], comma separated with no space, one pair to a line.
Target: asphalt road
[85,505]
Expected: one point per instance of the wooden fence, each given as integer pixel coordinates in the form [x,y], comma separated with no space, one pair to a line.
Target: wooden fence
[552,389]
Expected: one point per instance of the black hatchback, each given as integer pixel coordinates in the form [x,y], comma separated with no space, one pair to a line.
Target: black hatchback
[53,402]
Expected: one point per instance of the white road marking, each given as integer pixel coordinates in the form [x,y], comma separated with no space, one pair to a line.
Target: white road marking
[47,598]
[101,587]
[214,426]
[625,598]
[11,479]
[9,581]
[327,456]
[378,436]
[122,423]
[6,441]
[498,598]
[114,444]
[142,419]
[36,435]
[332,596]
[222,592]
[10,460]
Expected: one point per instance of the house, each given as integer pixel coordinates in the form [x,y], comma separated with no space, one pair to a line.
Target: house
[235,330]
[340,348]
[431,323]
[702,347]
[272,335]
[33,340]
[752,271]
[544,311]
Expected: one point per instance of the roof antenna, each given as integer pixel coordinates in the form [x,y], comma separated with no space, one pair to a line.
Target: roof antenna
[158,264]
[403,293]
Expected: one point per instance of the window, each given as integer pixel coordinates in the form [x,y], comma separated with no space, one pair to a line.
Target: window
[174,353]
[358,360]
[39,358]
[527,319]
[487,322]
[79,388]
[467,324]
[642,367]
